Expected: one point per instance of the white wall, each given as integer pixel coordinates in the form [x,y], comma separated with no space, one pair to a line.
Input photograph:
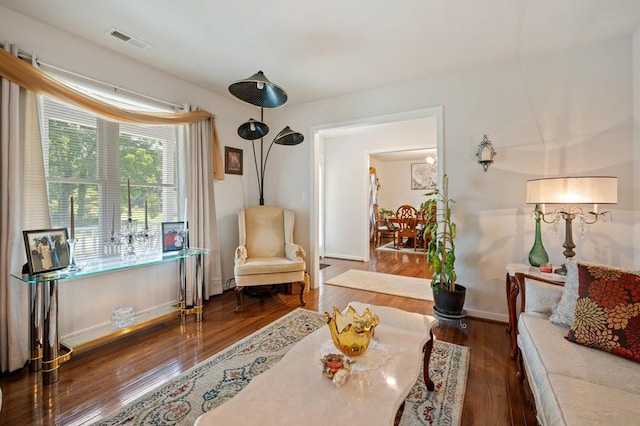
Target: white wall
[635,189]
[89,302]
[395,185]
[569,113]
[346,162]
[564,114]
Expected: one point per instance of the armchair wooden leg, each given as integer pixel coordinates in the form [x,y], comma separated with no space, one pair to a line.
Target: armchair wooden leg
[302,286]
[239,298]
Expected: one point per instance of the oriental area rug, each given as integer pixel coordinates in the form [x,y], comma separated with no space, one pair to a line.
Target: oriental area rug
[182,400]
[397,285]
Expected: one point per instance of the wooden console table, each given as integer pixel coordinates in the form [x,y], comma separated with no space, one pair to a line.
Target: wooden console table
[46,353]
[516,274]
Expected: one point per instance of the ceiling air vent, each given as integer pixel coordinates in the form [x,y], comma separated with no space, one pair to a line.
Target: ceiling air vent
[114,32]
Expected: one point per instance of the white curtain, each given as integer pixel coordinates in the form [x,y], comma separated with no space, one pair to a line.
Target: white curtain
[21,166]
[195,165]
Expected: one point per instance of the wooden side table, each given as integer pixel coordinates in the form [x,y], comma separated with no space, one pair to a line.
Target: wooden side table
[514,286]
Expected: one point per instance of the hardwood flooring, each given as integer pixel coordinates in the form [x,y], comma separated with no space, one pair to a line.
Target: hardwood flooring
[99,381]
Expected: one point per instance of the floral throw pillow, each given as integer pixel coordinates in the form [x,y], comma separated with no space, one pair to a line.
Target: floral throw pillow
[608,311]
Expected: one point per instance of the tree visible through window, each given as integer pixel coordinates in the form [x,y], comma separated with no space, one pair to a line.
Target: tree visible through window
[92,159]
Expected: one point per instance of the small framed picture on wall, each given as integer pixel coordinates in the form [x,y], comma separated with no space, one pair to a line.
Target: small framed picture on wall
[232,160]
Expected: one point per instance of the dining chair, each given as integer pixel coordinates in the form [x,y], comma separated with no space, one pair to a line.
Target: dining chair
[407,220]
[427,215]
[382,227]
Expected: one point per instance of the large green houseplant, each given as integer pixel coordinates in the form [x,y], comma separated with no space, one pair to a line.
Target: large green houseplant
[441,233]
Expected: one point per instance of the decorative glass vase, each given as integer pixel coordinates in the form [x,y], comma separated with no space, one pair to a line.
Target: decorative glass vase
[538,255]
[350,331]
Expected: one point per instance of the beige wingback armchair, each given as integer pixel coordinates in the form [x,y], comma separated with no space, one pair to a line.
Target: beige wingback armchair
[266,254]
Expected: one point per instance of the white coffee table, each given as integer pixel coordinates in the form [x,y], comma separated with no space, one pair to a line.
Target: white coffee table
[294,391]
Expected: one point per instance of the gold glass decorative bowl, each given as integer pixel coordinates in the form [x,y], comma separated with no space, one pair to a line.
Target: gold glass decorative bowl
[351,332]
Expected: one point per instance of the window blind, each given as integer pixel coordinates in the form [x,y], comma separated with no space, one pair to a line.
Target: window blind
[93,160]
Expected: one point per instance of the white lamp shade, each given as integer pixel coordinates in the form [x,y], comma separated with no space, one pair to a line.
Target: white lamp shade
[573,190]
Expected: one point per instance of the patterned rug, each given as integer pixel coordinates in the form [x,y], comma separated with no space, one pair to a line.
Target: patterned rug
[212,382]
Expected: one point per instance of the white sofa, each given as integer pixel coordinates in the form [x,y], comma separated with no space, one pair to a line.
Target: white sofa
[572,384]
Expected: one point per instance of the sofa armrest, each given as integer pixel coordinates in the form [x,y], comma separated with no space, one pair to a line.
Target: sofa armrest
[539,304]
[537,294]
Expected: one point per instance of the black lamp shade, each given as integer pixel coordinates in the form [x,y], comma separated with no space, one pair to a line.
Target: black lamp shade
[252,130]
[288,137]
[258,90]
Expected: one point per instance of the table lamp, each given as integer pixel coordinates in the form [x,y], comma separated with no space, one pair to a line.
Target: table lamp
[569,192]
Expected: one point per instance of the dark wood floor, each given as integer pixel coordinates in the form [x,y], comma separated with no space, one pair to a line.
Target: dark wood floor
[101,380]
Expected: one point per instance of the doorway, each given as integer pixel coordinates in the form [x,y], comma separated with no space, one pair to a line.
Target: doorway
[400,178]
[341,151]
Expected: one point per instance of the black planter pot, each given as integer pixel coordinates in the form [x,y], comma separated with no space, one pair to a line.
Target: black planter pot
[450,302]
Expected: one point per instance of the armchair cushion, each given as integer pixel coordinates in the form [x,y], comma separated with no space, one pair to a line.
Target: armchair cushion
[269,265]
[264,231]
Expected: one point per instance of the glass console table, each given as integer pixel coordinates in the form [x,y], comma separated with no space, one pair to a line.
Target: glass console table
[46,353]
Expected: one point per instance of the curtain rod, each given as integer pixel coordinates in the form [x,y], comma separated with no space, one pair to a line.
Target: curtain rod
[29,57]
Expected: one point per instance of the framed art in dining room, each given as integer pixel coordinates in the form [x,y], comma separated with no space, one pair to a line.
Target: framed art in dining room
[232,160]
[423,176]
[47,250]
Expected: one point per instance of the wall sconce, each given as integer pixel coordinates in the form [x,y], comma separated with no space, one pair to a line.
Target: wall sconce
[485,153]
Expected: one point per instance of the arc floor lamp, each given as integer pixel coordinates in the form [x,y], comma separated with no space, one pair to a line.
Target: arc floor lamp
[259,91]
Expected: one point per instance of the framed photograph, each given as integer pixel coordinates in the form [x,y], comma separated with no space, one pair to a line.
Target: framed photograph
[47,250]
[423,176]
[232,160]
[173,236]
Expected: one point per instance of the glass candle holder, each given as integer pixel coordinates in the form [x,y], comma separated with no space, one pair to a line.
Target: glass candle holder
[72,255]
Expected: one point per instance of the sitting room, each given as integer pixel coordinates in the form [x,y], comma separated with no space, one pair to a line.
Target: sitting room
[188,222]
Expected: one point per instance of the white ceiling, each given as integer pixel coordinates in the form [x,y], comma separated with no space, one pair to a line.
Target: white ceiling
[328,48]
[408,155]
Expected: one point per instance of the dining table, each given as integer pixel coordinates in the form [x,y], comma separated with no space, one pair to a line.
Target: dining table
[421,222]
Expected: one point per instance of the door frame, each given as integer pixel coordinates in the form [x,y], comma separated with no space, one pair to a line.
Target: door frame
[317,162]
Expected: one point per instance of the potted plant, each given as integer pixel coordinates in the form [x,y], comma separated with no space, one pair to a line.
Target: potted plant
[386,213]
[448,295]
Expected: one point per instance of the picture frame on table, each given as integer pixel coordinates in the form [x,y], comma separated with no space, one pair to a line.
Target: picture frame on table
[232,161]
[173,236]
[423,176]
[47,250]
